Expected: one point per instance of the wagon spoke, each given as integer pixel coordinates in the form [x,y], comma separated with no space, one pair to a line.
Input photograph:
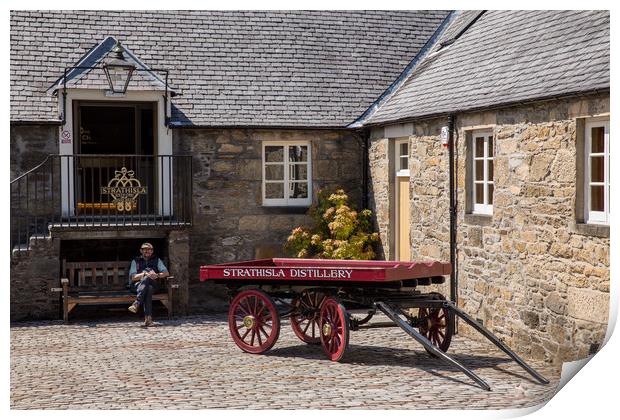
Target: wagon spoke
[245,309]
[255,304]
[260,341]
[242,308]
[245,335]
[262,309]
[252,337]
[307,326]
[264,332]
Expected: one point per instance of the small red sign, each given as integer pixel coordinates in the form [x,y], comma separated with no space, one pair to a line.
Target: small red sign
[66,137]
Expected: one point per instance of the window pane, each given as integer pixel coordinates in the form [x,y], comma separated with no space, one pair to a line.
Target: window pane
[479,172]
[479,193]
[490,193]
[298,190]
[404,149]
[479,146]
[490,147]
[597,198]
[598,139]
[298,153]
[298,172]
[274,153]
[490,169]
[597,169]
[274,172]
[274,190]
[404,163]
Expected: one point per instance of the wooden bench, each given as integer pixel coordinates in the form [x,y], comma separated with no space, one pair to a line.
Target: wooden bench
[104,282]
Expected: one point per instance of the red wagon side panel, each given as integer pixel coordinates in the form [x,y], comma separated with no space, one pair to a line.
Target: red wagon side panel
[296,270]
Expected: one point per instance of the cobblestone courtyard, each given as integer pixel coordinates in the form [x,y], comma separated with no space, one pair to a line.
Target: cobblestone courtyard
[192,363]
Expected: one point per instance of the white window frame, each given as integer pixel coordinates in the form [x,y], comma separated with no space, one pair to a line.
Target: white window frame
[596,217]
[286,201]
[401,171]
[484,208]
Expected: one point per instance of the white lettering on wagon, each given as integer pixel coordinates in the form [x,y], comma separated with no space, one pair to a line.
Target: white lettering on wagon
[317,273]
[253,272]
[301,273]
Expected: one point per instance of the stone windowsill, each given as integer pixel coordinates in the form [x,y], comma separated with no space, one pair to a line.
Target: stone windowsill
[285,209]
[478,219]
[600,231]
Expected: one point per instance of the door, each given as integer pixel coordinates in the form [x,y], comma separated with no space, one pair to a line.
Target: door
[402,236]
[115,141]
[404,246]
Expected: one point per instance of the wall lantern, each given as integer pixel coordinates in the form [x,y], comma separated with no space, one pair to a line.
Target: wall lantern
[118,70]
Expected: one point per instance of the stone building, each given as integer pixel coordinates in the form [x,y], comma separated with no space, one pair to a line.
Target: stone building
[258,103]
[272,106]
[528,93]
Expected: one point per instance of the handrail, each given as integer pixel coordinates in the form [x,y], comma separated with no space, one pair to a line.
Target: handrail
[78,192]
[33,169]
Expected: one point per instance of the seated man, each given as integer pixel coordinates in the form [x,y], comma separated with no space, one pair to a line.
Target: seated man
[142,274]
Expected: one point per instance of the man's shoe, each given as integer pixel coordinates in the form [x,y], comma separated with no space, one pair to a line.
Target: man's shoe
[134,307]
[148,321]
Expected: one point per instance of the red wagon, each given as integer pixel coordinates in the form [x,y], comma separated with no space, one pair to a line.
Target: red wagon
[319,295]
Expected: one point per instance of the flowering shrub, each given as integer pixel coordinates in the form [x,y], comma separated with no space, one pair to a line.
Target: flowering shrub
[338,232]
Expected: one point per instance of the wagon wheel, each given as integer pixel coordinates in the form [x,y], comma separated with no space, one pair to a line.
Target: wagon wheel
[334,322]
[305,318]
[436,326]
[253,321]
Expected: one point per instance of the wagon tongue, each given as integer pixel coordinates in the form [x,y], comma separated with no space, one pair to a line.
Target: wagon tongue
[394,314]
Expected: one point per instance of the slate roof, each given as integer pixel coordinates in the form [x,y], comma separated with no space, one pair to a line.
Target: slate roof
[232,68]
[143,77]
[505,57]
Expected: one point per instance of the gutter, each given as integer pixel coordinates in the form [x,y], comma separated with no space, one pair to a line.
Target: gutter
[36,122]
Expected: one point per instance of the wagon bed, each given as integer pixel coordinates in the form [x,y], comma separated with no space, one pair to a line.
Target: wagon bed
[312,272]
[318,297]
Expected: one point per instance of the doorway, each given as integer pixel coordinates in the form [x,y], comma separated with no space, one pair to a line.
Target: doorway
[110,137]
[402,205]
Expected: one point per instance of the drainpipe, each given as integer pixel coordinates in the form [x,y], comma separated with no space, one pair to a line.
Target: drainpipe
[364,138]
[453,273]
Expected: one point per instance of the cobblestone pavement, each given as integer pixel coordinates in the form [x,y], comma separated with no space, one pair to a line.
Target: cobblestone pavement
[192,363]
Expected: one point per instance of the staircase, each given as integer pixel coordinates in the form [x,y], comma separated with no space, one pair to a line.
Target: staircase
[35,202]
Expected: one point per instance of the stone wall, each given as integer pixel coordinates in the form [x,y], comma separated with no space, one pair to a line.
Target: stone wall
[30,144]
[531,272]
[230,223]
[33,273]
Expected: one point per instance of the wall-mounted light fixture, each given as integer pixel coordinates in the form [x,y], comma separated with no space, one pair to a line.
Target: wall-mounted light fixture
[118,71]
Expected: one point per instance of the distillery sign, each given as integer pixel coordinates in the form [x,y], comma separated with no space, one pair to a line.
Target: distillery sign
[288,273]
[124,189]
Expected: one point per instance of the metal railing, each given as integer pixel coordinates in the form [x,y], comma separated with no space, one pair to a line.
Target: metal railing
[101,192]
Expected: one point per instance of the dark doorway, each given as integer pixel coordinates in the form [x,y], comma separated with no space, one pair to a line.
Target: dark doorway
[113,136]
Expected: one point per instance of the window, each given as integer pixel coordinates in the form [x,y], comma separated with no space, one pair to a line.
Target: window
[402,158]
[596,175]
[286,174]
[482,172]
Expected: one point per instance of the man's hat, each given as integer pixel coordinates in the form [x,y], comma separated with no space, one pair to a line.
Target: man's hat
[146,245]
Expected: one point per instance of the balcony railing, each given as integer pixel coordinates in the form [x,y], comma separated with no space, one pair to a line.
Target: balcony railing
[101,192]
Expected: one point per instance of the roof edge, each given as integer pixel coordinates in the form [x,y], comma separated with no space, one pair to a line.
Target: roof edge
[419,57]
[525,102]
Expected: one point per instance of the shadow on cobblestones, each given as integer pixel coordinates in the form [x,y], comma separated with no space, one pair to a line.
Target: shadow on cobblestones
[194,364]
